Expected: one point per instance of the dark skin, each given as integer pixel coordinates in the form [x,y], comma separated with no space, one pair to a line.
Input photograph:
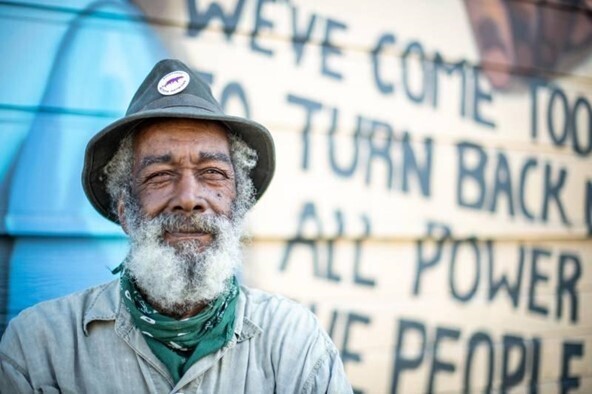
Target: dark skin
[182,166]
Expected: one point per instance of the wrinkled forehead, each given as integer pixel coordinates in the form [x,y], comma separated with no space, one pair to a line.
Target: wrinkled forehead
[168,126]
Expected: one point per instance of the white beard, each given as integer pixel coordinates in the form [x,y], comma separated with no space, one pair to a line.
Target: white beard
[176,279]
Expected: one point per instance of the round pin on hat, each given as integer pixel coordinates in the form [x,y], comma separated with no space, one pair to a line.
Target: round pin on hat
[173,83]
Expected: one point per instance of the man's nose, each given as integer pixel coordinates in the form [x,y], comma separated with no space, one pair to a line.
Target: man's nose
[189,195]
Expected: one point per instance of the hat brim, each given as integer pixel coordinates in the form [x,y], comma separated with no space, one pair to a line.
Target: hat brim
[104,144]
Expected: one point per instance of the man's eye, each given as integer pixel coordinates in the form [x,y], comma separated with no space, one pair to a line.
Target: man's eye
[158,176]
[214,174]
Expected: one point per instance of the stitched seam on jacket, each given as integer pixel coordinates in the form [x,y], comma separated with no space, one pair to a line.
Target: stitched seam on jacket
[86,320]
[317,366]
[9,360]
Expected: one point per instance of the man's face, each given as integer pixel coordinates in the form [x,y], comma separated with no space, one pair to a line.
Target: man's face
[185,242]
[183,166]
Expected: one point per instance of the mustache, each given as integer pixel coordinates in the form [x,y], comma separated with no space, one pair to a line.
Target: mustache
[195,223]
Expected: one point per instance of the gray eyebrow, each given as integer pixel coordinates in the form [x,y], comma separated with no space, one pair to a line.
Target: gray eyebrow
[218,156]
[149,160]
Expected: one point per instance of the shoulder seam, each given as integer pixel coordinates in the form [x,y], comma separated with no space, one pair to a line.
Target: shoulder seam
[15,365]
[326,354]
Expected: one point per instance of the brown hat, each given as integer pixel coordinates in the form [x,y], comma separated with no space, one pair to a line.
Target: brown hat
[171,90]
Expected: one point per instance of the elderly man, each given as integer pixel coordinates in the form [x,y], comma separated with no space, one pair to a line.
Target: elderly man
[178,175]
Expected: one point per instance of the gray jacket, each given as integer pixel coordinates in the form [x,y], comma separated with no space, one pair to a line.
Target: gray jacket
[86,343]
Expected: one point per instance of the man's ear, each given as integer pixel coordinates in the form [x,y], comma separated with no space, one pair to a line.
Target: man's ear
[121,215]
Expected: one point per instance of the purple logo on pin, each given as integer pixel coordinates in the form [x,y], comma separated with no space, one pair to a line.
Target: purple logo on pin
[173,83]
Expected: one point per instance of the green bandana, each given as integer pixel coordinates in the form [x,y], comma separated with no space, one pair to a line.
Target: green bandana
[180,343]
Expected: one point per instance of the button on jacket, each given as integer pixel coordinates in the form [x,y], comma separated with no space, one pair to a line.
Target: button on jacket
[86,343]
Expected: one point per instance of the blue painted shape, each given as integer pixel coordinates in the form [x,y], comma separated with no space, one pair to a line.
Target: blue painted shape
[23,76]
[98,66]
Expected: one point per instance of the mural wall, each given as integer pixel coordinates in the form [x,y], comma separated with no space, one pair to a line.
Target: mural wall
[433,196]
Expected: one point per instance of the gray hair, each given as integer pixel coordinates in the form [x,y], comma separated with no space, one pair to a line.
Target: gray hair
[119,174]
